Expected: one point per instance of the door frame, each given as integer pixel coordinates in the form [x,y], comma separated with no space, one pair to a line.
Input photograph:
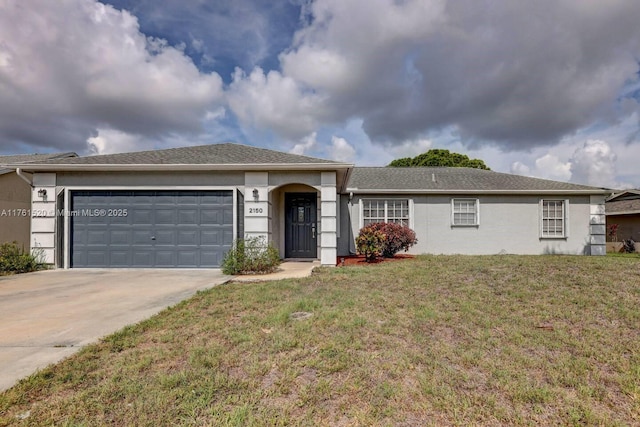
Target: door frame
[313,197]
[71,188]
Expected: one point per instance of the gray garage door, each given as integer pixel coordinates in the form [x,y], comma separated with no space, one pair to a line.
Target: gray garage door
[150,228]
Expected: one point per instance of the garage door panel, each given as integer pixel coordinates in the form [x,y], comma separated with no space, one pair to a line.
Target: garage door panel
[142,258]
[188,258]
[211,237]
[188,216]
[96,258]
[142,237]
[119,237]
[166,216]
[210,258]
[160,229]
[120,219]
[210,216]
[165,237]
[97,237]
[141,216]
[188,237]
[166,258]
[120,258]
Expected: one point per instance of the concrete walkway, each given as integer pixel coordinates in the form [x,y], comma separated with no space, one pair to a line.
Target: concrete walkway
[286,270]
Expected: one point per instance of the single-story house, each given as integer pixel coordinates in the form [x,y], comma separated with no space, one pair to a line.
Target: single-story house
[624,209]
[15,198]
[183,207]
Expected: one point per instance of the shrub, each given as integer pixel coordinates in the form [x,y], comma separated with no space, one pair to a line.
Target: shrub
[398,237]
[14,259]
[613,232]
[384,239]
[370,242]
[252,255]
[629,246]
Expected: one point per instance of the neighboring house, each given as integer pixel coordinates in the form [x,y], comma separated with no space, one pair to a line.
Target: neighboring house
[183,207]
[624,209]
[15,198]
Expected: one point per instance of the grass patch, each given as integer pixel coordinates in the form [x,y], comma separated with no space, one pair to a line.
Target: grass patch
[447,340]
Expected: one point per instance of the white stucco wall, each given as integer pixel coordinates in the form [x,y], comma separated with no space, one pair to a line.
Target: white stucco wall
[508,224]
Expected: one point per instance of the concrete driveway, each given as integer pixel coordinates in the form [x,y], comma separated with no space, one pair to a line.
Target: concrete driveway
[48,315]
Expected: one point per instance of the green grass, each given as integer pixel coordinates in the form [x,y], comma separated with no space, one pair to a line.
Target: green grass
[447,340]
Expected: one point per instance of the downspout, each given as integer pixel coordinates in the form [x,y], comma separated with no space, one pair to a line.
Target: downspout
[352,248]
[24,177]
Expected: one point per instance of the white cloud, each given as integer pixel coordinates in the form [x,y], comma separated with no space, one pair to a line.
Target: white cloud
[305,145]
[594,163]
[275,102]
[550,167]
[341,150]
[109,141]
[591,163]
[72,67]
[519,76]
[520,168]
[411,148]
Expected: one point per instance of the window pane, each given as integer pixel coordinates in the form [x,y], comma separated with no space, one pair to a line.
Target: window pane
[465,212]
[553,218]
[391,210]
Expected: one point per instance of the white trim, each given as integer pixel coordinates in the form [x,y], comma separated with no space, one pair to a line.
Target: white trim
[565,218]
[477,211]
[212,167]
[66,231]
[69,189]
[152,187]
[411,213]
[386,217]
[479,192]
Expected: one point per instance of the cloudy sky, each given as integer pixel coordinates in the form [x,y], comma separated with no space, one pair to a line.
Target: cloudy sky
[545,88]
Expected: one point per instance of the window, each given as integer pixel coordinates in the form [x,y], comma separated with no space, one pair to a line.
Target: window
[554,218]
[465,212]
[389,210]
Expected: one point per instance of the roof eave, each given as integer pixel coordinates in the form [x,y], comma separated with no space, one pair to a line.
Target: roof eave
[633,212]
[462,191]
[179,167]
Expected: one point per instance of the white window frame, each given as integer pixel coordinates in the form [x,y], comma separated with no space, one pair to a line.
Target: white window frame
[565,219]
[476,203]
[386,201]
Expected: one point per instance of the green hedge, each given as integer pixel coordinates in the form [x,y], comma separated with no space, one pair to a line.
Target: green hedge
[14,259]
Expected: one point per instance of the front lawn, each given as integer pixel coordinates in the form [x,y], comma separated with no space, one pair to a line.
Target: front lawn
[446,340]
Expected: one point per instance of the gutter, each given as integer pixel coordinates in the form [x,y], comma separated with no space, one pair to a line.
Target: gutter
[510,192]
[184,167]
[24,177]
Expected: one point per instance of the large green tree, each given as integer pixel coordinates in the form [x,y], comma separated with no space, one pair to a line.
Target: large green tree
[440,157]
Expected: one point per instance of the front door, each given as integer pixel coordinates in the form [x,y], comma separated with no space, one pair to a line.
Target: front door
[300,225]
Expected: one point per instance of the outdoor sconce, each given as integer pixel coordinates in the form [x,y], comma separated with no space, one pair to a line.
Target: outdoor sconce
[42,193]
[255,194]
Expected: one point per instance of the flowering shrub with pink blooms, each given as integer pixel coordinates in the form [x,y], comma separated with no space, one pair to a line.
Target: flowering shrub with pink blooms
[384,239]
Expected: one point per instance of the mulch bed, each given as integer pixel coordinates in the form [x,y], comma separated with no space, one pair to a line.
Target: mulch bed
[359,260]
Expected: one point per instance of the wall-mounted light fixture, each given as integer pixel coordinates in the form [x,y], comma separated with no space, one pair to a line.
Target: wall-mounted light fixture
[255,194]
[42,193]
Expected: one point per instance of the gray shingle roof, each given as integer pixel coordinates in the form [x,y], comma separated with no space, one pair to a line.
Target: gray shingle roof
[31,158]
[623,206]
[213,154]
[433,179]
[626,202]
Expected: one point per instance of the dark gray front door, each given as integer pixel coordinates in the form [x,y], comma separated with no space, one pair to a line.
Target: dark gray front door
[150,228]
[300,225]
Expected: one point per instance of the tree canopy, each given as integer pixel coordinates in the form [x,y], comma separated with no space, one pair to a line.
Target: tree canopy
[440,157]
